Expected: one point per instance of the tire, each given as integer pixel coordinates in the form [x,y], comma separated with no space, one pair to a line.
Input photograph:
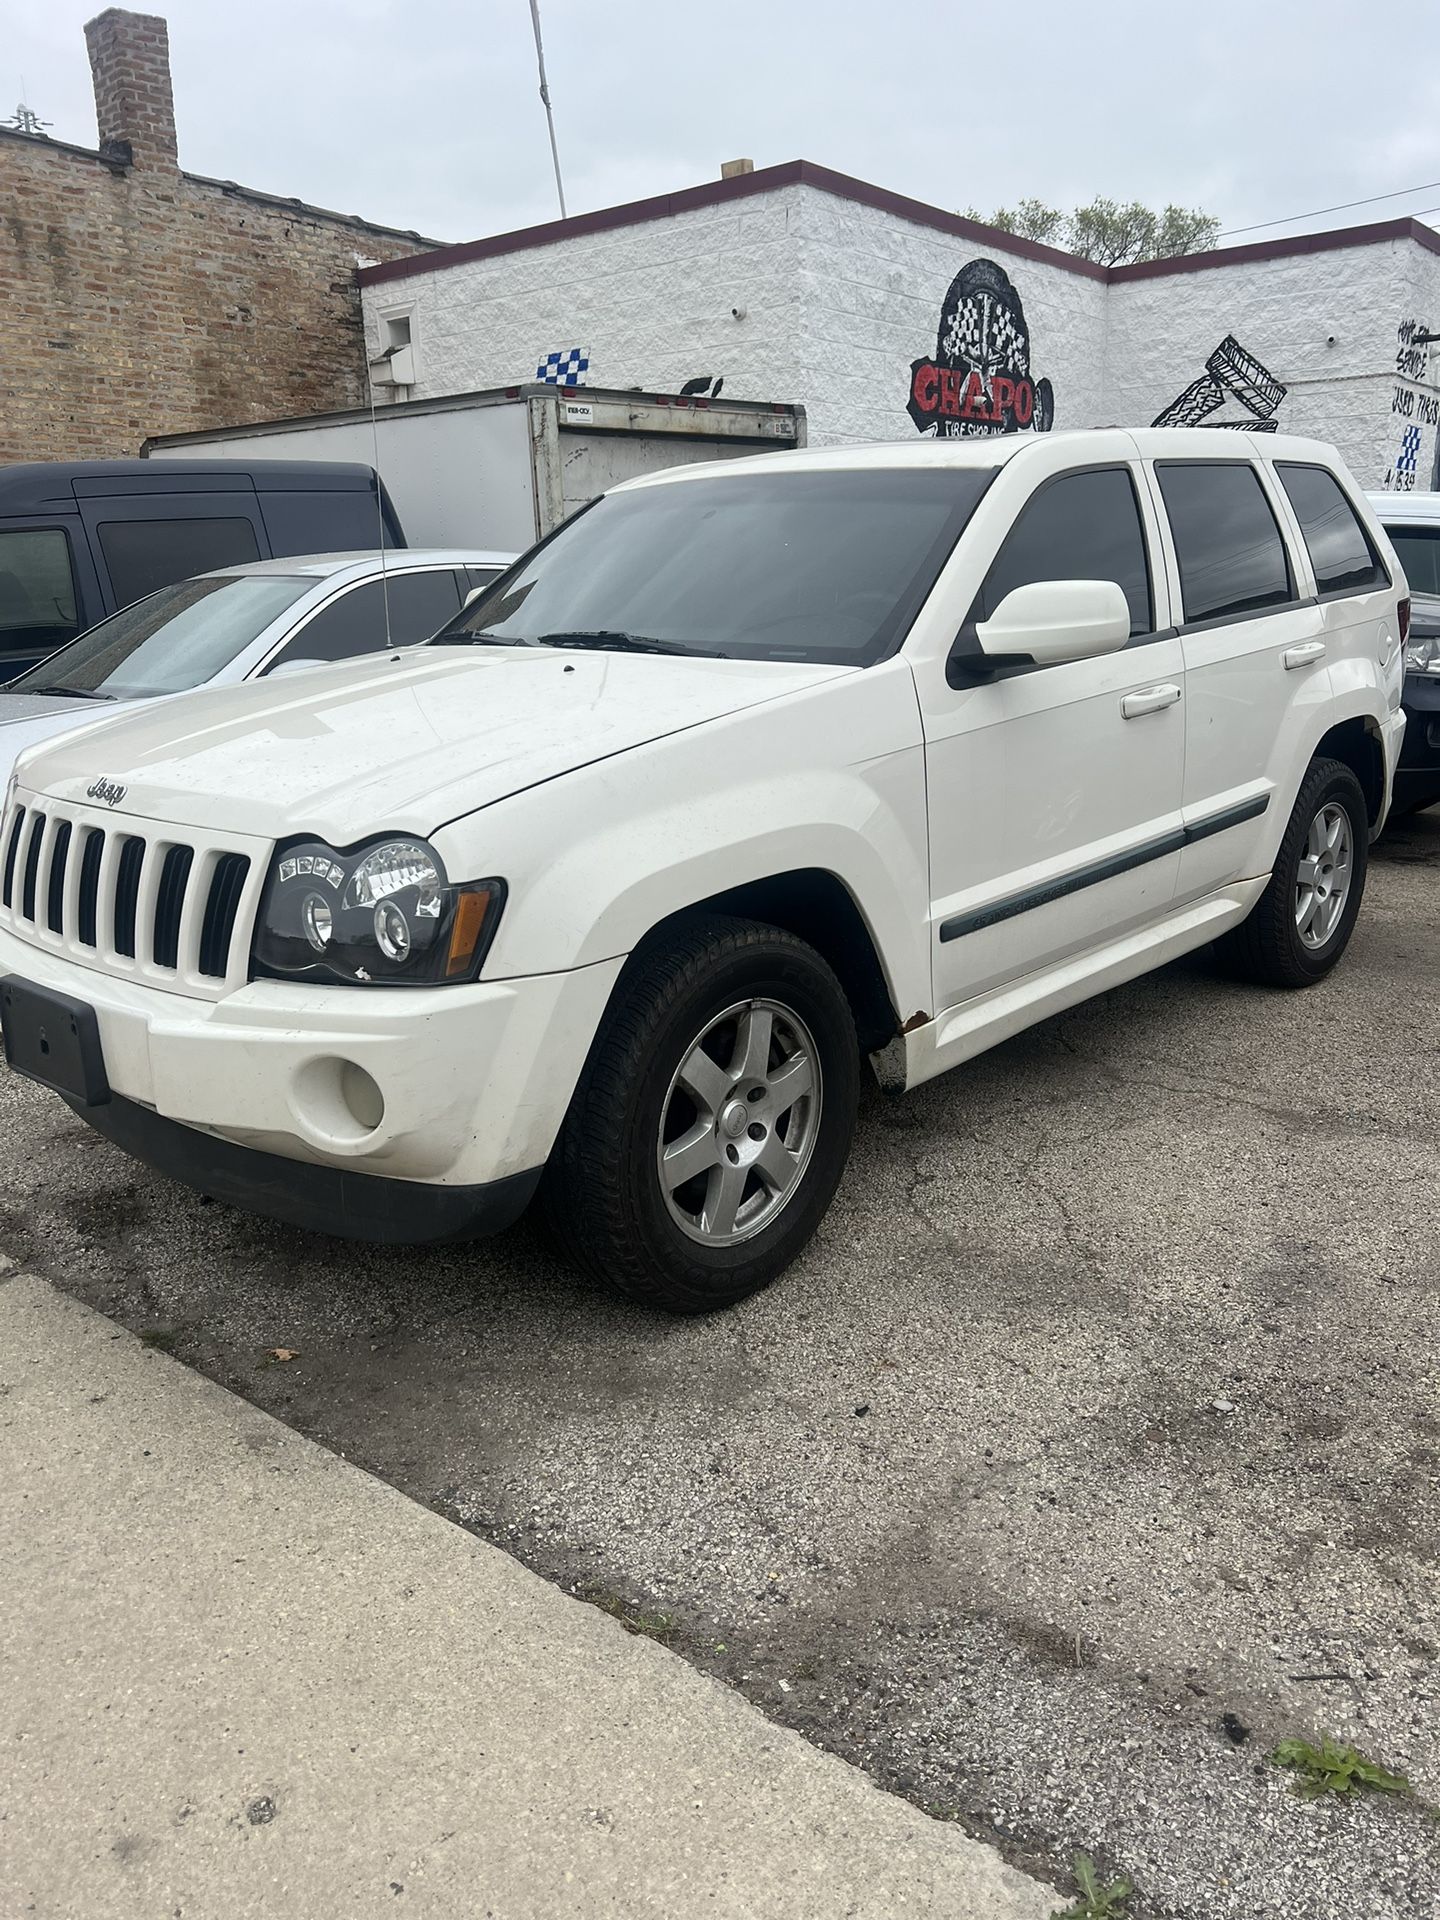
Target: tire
[1268,946]
[606,1202]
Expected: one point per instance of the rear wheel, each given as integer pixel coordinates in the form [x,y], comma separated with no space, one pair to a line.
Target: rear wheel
[713,1120]
[1302,923]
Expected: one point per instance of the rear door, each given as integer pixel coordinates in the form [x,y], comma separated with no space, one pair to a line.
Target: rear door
[141,540]
[1351,581]
[1254,657]
[1054,792]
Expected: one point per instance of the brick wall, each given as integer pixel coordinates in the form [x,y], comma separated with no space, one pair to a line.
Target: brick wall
[141,299]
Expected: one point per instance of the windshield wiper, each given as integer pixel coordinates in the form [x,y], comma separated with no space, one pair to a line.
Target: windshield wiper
[598,641]
[68,693]
[602,642]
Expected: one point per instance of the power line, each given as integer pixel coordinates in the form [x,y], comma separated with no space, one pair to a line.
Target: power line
[1343,207]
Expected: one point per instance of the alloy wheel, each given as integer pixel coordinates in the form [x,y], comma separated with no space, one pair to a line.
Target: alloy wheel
[1322,884]
[739,1122]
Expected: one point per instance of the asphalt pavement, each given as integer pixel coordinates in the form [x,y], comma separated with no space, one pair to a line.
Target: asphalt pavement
[1090,1451]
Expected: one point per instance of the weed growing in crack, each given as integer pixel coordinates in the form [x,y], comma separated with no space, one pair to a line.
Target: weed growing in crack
[650,1626]
[1094,1902]
[1331,1768]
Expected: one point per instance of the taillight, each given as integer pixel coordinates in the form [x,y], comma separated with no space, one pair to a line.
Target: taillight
[1402,614]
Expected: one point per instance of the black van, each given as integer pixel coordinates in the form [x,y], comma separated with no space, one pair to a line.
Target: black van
[81,539]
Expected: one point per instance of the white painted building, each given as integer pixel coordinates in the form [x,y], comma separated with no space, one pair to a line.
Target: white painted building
[884,317]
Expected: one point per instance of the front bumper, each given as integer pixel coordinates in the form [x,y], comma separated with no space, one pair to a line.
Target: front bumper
[338,1200]
[304,1101]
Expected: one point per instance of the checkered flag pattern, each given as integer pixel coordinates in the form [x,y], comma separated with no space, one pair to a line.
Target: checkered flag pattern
[983,335]
[567,369]
[1409,456]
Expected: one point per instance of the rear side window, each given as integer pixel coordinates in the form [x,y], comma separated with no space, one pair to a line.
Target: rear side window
[1339,547]
[37,590]
[142,555]
[419,605]
[1418,551]
[346,520]
[1083,526]
[1232,558]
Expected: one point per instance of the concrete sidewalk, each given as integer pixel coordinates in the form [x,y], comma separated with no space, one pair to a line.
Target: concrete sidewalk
[239,1677]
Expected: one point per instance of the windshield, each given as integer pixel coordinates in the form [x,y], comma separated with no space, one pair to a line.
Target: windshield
[177,638]
[794,565]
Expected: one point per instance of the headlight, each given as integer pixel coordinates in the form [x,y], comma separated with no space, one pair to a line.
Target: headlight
[383,915]
[1422,653]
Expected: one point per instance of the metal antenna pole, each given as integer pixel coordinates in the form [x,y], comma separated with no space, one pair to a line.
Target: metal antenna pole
[545,96]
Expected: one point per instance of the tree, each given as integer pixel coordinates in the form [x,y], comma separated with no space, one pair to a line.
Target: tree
[1107,232]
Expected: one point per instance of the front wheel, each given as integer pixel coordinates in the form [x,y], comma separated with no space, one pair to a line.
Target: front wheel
[712,1121]
[1302,923]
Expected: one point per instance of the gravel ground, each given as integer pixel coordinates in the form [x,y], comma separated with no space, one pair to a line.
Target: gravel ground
[1090,1450]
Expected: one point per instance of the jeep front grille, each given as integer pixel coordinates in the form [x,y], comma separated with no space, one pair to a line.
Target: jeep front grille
[128,896]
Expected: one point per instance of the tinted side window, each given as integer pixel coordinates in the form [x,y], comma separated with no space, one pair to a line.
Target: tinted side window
[145,554]
[1339,547]
[37,589]
[1085,526]
[420,603]
[1232,558]
[1418,551]
[343,521]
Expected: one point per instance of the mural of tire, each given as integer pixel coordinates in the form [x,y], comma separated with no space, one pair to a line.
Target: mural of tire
[979,381]
[1189,408]
[1231,373]
[1253,385]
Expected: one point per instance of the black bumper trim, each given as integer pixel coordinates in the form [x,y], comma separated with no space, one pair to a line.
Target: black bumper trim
[354,1206]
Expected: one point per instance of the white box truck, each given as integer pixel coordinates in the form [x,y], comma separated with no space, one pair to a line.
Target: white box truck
[500,469]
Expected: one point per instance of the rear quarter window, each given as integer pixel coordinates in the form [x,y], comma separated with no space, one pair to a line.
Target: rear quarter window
[1338,545]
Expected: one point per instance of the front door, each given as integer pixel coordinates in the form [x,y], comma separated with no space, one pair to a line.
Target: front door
[1055,792]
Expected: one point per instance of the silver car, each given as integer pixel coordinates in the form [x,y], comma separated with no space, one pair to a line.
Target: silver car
[240,623]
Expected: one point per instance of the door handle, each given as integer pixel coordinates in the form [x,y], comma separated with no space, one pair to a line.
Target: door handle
[1149,700]
[1305,655]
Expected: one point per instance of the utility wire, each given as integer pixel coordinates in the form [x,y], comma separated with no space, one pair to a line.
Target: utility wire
[1342,207]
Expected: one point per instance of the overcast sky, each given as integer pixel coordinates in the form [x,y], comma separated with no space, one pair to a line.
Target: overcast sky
[425,114]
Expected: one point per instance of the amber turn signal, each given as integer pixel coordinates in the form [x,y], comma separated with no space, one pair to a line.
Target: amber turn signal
[473,906]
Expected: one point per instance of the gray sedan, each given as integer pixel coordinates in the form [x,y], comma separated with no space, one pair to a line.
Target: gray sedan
[238,624]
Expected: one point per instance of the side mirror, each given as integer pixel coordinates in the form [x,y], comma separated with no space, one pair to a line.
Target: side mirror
[298,666]
[1051,621]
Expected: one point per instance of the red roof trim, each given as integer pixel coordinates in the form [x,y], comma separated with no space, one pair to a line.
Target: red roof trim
[791,173]
[716,193]
[1328,242]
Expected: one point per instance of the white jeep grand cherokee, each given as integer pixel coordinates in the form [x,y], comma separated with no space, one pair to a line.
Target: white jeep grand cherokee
[748,771]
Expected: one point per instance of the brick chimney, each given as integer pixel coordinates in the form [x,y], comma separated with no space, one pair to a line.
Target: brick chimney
[134,107]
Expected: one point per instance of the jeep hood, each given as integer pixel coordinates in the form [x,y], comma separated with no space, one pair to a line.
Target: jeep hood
[407,741]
